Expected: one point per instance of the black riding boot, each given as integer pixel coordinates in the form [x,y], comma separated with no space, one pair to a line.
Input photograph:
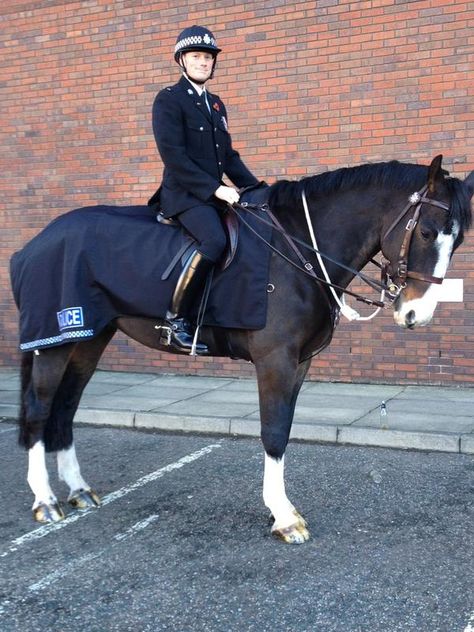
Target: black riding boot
[176,331]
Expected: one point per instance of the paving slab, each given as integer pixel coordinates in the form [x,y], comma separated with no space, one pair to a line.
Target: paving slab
[124,402]
[406,420]
[213,409]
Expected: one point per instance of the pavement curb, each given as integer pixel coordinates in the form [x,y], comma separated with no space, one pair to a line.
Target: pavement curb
[333,434]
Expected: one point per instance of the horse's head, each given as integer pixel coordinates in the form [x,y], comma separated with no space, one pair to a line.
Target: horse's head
[420,242]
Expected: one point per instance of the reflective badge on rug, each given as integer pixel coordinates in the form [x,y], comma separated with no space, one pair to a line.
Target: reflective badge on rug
[70,317]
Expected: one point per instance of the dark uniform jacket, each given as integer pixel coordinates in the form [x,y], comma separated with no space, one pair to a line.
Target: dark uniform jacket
[196,149]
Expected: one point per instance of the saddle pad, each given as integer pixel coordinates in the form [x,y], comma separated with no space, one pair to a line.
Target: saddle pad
[93,264]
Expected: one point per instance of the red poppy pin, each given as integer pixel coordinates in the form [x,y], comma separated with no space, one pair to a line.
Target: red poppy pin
[216,107]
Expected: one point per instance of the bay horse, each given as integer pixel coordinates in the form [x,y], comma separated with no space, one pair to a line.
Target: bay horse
[354,213]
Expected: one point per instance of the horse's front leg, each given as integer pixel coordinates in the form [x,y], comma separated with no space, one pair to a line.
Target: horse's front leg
[278,390]
[289,525]
[81,496]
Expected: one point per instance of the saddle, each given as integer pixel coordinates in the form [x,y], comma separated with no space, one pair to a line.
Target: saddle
[255,194]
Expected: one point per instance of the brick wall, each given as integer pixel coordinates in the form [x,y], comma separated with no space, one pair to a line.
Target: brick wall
[309,86]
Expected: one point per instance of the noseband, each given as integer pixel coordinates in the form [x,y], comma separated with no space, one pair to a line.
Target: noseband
[415,201]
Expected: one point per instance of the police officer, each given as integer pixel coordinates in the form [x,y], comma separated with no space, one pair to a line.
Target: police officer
[191,132]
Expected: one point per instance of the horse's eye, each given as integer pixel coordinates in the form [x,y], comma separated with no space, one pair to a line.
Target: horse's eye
[425,234]
[428,233]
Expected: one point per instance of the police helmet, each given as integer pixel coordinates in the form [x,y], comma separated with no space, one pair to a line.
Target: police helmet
[195,38]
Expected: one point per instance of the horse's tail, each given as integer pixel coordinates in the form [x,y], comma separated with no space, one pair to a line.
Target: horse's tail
[26,372]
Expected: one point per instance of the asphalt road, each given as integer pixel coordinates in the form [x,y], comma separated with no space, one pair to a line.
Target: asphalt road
[182,541]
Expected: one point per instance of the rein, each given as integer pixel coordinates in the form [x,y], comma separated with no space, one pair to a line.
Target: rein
[307,268]
[387,285]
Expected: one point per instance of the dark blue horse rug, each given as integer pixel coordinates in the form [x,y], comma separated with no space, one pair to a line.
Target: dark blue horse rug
[94,264]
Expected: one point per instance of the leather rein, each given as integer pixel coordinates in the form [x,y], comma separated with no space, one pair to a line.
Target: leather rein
[387,285]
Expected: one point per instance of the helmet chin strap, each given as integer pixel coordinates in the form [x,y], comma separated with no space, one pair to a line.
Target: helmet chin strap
[197,81]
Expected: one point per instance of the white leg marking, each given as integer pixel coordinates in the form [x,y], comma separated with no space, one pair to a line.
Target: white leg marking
[274,495]
[69,470]
[425,306]
[38,478]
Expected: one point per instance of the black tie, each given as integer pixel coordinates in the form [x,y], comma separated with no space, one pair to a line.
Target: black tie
[204,94]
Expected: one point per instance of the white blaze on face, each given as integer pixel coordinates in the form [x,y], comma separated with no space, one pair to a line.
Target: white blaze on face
[422,308]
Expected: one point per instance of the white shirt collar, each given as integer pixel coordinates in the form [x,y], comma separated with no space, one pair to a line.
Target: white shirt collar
[199,89]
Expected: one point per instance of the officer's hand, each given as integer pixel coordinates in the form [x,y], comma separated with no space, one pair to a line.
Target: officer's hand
[227,194]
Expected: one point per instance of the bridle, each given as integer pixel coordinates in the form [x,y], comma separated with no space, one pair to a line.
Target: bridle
[415,201]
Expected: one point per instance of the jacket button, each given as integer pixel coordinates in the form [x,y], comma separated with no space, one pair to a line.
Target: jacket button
[217,145]
[201,129]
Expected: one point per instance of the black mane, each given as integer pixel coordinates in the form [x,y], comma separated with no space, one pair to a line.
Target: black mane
[287,194]
[460,209]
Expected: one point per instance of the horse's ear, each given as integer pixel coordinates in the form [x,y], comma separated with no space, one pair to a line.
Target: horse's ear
[469,182]
[435,172]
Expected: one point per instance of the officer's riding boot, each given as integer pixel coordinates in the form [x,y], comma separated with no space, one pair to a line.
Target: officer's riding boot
[176,330]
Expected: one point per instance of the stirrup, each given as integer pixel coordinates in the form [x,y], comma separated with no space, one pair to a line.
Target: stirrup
[169,337]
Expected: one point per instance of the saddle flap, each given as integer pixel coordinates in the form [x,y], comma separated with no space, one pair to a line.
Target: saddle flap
[231,224]
[255,194]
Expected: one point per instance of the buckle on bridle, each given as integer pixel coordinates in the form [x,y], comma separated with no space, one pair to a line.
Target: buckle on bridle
[402,269]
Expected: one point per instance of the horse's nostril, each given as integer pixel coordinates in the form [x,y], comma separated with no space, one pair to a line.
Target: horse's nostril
[410,319]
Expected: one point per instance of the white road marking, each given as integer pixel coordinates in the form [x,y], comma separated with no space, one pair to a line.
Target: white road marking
[7,430]
[67,569]
[470,625]
[41,532]
[60,573]
[139,526]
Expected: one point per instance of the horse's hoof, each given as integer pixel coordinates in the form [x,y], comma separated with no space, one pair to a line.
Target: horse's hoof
[48,513]
[84,499]
[301,521]
[294,534]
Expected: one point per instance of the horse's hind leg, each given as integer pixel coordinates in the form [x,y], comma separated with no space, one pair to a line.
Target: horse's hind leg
[279,388]
[52,385]
[81,496]
[41,376]
[81,367]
